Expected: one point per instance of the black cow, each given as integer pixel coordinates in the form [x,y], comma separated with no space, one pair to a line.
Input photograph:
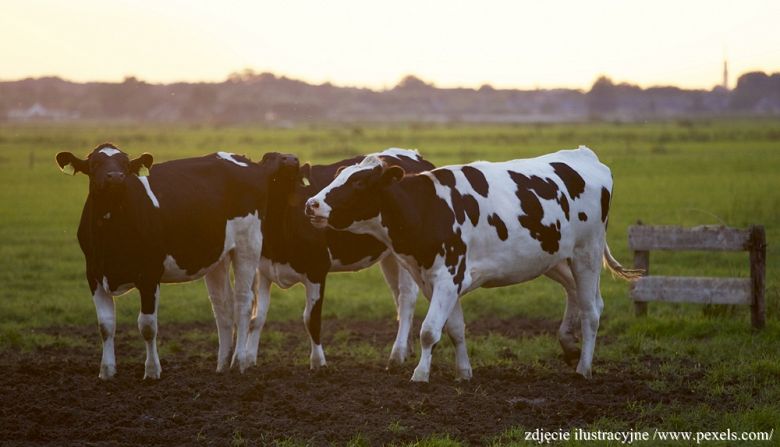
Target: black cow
[188,219]
[296,252]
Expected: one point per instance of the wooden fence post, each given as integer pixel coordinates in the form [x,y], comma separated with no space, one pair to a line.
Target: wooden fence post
[757,275]
[641,261]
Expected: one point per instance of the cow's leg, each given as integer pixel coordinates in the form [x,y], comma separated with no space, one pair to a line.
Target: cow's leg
[442,302]
[456,329]
[221,296]
[106,314]
[245,260]
[312,319]
[262,289]
[147,325]
[586,266]
[567,333]
[404,290]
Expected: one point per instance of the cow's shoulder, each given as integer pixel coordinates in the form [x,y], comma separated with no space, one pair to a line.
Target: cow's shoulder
[417,203]
[409,160]
[320,176]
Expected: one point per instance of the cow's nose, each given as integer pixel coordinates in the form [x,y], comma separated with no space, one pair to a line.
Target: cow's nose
[311,205]
[115,177]
[290,160]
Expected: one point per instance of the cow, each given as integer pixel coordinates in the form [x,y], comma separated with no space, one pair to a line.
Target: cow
[187,219]
[295,252]
[457,228]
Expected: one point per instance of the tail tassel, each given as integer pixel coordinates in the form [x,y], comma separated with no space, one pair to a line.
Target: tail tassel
[618,270]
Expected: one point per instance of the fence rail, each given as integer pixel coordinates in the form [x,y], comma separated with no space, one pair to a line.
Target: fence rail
[644,238]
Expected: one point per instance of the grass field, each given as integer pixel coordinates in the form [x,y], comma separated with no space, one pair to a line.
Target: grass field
[681,173]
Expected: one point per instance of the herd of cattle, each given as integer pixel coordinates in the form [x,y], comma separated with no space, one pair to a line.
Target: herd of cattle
[445,231]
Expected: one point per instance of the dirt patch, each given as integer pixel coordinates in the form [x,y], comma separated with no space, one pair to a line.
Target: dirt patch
[53,395]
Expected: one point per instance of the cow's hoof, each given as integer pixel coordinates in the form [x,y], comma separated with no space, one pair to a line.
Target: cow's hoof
[317,361]
[152,372]
[107,372]
[316,364]
[464,374]
[244,365]
[584,372]
[420,375]
[397,358]
[240,361]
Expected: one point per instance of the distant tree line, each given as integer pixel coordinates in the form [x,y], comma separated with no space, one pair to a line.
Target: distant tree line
[250,97]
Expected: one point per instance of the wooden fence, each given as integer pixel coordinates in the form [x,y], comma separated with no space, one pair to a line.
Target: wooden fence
[644,238]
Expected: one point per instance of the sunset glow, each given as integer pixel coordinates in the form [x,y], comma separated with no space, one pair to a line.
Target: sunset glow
[513,44]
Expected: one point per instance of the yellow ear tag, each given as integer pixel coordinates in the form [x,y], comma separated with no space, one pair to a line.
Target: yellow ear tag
[143,171]
[69,169]
[305,181]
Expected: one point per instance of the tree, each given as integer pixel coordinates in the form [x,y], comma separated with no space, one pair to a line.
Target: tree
[602,97]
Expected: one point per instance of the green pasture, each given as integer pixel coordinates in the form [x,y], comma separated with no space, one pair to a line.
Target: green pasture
[680,173]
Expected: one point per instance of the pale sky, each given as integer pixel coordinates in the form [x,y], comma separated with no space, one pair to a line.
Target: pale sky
[509,44]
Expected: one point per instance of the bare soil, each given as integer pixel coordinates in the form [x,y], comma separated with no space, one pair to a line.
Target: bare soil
[53,397]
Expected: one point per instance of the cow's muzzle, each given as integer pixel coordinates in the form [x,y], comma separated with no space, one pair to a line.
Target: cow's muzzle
[115,178]
[314,212]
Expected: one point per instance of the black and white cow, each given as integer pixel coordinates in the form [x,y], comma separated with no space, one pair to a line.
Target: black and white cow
[188,219]
[483,224]
[296,252]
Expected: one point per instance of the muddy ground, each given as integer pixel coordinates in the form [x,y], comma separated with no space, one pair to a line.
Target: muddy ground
[52,396]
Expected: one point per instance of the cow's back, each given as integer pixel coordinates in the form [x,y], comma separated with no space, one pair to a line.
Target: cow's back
[530,213]
[198,197]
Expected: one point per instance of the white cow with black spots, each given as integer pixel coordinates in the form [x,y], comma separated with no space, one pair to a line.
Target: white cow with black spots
[457,228]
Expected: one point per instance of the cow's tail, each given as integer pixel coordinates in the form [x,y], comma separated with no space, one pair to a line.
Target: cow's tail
[617,269]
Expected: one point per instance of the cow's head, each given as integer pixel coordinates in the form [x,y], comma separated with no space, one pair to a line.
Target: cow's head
[353,196]
[282,176]
[282,168]
[106,166]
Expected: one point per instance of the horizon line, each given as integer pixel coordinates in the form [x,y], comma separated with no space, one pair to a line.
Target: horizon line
[373,87]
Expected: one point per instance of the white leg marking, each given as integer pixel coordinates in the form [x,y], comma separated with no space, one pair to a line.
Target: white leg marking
[262,291]
[221,296]
[313,295]
[246,259]
[442,302]
[405,293]
[570,324]
[456,329]
[147,325]
[586,267]
[106,315]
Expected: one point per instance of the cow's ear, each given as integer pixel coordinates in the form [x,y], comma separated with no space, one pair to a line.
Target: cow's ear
[392,175]
[140,166]
[338,171]
[305,173]
[71,164]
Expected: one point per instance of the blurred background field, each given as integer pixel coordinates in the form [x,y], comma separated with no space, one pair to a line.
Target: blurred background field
[677,173]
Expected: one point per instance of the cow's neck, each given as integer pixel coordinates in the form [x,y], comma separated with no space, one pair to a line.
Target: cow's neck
[418,222]
[402,209]
[280,221]
[119,214]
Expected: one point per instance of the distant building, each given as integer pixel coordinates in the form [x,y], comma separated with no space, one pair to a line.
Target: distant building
[725,84]
[38,112]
